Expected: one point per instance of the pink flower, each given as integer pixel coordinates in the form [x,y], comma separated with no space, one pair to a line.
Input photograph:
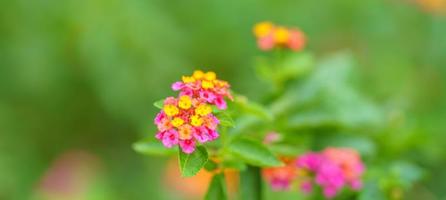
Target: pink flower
[280,178]
[189,117]
[188,146]
[306,187]
[208,96]
[177,86]
[333,168]
[356,184]
[311,161]
[159,135]
[211,122]
[350,163]
[220,103]
[296,41]
[187,92]
[213,134]
[160,117]
[164,125]
[271,137]
[170,101]
[170,138]
[201,134]
[280,184]
[330,177]
[266,43]
[270,36]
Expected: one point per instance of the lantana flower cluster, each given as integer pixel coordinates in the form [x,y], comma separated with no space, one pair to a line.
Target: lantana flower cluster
[188,118]
[332,169]
[270,36]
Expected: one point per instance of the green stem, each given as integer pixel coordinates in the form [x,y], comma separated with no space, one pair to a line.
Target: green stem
[251,184]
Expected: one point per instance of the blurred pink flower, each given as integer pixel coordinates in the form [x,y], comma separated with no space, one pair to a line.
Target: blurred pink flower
[188,146]
[280,178]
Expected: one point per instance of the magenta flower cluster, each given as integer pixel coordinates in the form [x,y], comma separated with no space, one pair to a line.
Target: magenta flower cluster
[331,169]
[188,119]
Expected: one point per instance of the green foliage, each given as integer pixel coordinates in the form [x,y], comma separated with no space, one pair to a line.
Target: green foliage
[153,148]
[191,164]
[251,184]
[210,165]
[217,188]
[159,104]
[253,152]
[225,119]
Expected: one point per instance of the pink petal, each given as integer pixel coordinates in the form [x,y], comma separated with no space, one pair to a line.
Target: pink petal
[177,86]
[213,134]
[306,187]
[159,135]
[208,96]
[170,138]
[266,43]
[187,92]
[160,117]
[201,134]
[187,146]
[220,103]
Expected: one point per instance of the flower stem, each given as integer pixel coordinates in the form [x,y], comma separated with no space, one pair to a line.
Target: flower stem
[251,184]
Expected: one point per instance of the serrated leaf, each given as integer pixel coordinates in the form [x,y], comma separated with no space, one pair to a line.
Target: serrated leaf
[152,148]
[217,188]
[159,104]
[190,164]
[253,152]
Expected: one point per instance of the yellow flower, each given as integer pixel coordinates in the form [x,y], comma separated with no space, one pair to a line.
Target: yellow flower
[185,102]
[207,85]
[198,74]
[170,110]
[177,122]
[196,120]
[281,35]
[188,79]
[210,76]
[219,83]
[203,110]
[185,132]
[262,29]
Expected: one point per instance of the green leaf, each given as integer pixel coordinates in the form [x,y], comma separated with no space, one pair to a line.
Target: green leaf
[190,164]
[152,148]
[295,66]
[217,188]
[159,104]
[210,165]
[407,173]
[233,164]
[256,110]
[371,191]
[286,149]
[251,184]
[225,119]
[253,152]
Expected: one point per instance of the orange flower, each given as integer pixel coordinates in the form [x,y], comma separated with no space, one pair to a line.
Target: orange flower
[270,36]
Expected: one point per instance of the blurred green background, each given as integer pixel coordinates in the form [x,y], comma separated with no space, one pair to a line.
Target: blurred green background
[81,75]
